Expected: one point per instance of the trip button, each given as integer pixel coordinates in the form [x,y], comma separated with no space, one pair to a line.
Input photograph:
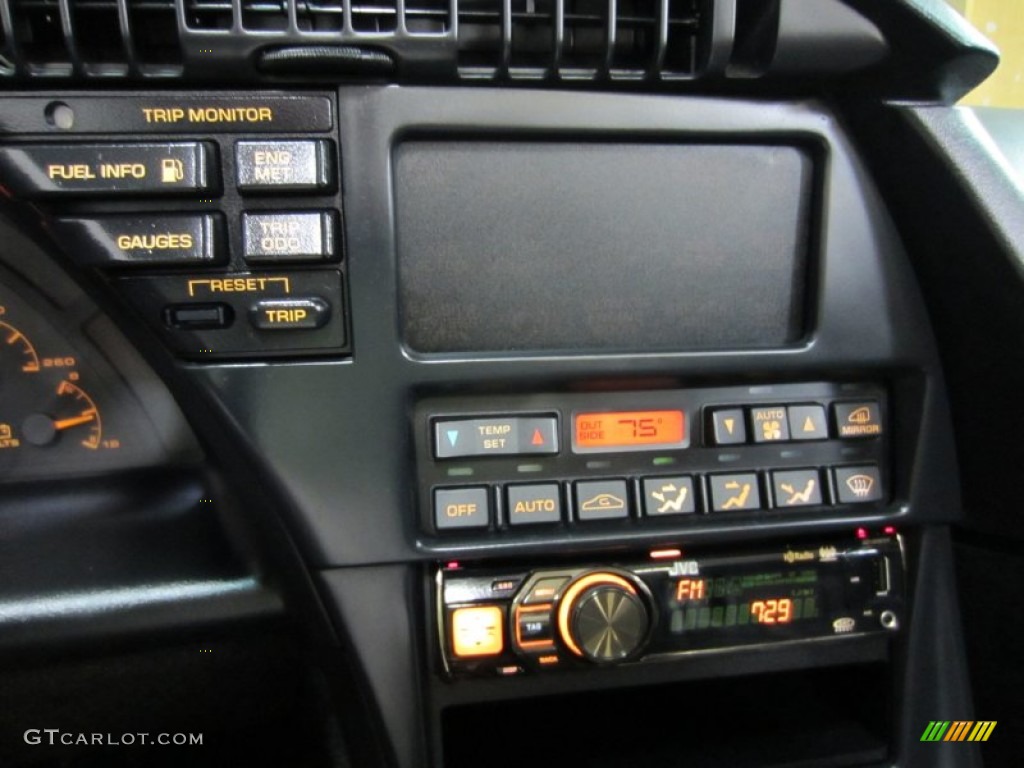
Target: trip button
[275,237]
[42,170]
[299,314]
[126,241]
[282,166]
[855,420]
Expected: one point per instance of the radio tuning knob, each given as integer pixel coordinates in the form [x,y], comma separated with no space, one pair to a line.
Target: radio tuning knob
[602,617]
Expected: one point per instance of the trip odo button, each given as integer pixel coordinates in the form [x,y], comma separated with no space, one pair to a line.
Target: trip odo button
[44,170]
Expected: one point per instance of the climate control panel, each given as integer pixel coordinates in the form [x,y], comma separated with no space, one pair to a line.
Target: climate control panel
[514,466]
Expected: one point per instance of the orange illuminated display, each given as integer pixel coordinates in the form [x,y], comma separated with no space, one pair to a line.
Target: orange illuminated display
[690,589]
[478,631]
[630,429]
[772,611]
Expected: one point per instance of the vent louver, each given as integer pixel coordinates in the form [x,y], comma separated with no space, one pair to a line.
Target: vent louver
[432,40]
[579,39]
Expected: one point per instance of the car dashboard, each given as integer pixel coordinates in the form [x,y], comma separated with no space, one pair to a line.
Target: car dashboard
[556,382]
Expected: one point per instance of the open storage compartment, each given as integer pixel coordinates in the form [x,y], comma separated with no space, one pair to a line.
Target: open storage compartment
[833,716]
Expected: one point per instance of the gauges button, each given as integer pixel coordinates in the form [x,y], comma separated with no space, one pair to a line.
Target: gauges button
[158,240]
[44,170]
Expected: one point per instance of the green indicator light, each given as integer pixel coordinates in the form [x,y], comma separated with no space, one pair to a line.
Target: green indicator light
[460,472]
[663,461]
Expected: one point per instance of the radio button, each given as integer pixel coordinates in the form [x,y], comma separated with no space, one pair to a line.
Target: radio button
[126,241]
[858,420]
[478,630]
[534,504]
[729,426]
[544,590]
[456,508]
[281,166]
[277,237]
[43,170]
[858,485]
[602,500]
[534,627]
[734,492]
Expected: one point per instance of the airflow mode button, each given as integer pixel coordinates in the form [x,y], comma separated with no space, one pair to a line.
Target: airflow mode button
[44,170]
[282,166]
[125,241]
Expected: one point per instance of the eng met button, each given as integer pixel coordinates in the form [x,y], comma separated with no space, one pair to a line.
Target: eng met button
[42,170]
[281,166]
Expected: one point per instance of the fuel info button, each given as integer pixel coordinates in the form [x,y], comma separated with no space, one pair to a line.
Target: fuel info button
[290,314]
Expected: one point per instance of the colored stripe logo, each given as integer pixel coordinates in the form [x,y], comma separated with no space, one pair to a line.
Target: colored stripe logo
[958,730]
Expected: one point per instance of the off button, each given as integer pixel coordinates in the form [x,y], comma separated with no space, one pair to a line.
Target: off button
[456,508]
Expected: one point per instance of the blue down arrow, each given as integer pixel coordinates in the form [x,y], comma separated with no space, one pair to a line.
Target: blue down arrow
[453,436]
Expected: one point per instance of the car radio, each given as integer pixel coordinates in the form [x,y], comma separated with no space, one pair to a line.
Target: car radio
[513,621]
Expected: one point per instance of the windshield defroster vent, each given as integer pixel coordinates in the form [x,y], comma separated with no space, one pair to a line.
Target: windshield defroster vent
[580,39]
[430,40]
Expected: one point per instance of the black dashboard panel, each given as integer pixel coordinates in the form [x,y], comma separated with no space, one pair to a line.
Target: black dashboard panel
[541,246]
[595,393]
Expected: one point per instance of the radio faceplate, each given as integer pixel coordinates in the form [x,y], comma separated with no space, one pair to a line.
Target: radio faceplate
[505,622]
[523,465]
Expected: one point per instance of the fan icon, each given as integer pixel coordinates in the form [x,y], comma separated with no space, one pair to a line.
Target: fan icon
[860,485]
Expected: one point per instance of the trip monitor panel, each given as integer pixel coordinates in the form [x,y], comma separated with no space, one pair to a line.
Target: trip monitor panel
[511,466]
[508,246]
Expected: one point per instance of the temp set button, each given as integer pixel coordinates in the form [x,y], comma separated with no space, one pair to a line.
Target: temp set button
[498,436]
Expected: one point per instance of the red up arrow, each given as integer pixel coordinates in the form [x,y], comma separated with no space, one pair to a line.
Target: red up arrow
[538,438]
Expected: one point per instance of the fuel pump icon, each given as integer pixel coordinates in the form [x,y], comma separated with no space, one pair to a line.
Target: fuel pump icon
[171,170]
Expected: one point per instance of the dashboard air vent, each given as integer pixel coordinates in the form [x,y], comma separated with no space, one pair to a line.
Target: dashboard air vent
[89,38]
[579,39]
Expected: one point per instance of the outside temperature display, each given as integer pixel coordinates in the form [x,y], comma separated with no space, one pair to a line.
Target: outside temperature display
[629,431]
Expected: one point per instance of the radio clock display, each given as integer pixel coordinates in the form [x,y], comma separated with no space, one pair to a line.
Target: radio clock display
[629,430]
[765,599]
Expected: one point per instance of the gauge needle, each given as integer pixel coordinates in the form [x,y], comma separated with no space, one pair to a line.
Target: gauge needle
[74,421]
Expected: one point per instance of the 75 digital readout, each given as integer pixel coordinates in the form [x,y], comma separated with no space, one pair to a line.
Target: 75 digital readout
[628,430]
